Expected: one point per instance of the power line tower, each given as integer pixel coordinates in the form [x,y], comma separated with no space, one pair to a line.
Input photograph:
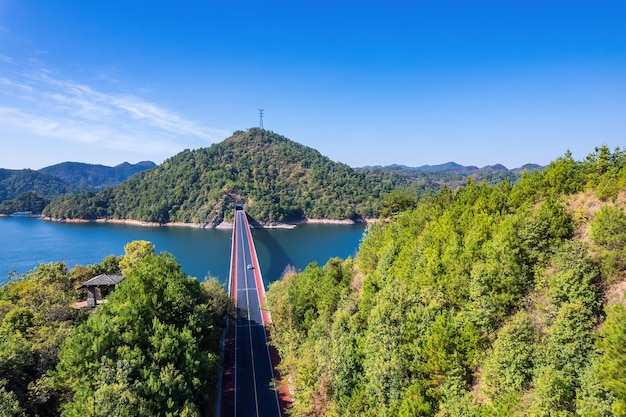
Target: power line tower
[261,119]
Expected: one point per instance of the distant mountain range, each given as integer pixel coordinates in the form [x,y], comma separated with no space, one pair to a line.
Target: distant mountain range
[14,182]
[278,179]
[95,176]
[453,167]
[20,188]
[451,174]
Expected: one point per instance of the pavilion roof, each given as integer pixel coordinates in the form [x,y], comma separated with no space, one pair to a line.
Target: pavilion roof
[102,280]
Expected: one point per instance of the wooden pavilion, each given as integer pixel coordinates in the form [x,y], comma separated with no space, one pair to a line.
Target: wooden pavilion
[99,287]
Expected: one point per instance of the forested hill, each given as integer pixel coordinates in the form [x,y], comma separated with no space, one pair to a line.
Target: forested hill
[489,300]
[453,175]
[14,182]
[278,179]
[151,350]
[86,176]
[29,190]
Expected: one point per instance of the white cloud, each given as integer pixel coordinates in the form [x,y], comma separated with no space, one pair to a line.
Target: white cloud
[136,141]
[86,99]
[42,105]
[10,83]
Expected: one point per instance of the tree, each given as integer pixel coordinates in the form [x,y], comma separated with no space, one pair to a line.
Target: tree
[509,366]
[397,201]
[612,361]
[608,231]
[9,404]
[563,358]
[152,349]
[134,252]
[483,300]
[36,318]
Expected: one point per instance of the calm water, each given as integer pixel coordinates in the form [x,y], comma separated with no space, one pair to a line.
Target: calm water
[25,243]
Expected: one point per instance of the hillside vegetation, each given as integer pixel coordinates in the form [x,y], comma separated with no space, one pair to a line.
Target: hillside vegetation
[16,183]
[91,176]
[279,181]
[452,175]
[152,349]
[28,190]
[490,300]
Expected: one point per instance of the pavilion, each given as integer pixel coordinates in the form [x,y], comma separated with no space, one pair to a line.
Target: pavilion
[99,287]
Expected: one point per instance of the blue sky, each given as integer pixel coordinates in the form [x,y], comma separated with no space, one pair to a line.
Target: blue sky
[364,82]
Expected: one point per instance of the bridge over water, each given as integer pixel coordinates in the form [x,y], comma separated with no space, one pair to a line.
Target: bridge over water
[248,385]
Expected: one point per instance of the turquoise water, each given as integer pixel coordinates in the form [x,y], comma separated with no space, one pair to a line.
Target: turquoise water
[25,243]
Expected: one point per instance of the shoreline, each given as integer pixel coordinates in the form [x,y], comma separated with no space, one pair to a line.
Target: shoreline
[222,225]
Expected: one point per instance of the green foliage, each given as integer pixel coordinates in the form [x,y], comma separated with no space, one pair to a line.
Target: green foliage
[574,279]
[9,403]
[612,360]
[28,190]
[565,353]
[609,228]
[509,366]
[397,201]
[601,171]
[564,176]
[305,308]
[220,306]
[593,399]
[28,201]
[90,176]
[35,318]
[423,181]
[415,402]
[14,183]
[278,180]
[386,356]
[88,206]
[18,320]
[608,231]
[605,172]
[543,231]
[151,350]
[344,368]
[134,253]
[478,301]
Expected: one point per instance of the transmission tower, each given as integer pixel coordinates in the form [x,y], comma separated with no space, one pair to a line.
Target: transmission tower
[261,118]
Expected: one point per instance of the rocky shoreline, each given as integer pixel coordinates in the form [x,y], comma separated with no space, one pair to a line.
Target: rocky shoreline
[222,225]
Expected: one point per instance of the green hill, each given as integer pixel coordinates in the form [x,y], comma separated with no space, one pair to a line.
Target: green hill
[451,175]
[28,201]
[92,176]
[278,179]
[28,190]
[14,182]
[489,300]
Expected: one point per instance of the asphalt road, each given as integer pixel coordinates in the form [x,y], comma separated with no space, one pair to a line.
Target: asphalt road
[255,395]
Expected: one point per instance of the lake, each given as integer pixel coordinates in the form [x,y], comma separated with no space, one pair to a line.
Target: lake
[27,242]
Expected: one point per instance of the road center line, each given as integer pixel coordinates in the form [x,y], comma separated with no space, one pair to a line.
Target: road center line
[245,271]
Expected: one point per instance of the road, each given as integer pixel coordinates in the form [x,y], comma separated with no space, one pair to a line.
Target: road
[254,393]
